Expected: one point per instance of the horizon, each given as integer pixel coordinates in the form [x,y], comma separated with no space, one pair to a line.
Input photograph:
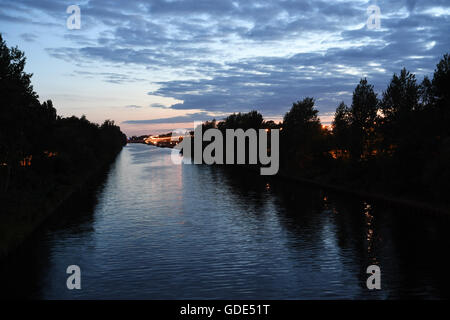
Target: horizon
[159,66]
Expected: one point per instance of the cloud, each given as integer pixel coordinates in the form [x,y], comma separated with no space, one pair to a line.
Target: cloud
[112,77]
[237,55]
[28,37]
[190,117]
[158,105]
[133,106]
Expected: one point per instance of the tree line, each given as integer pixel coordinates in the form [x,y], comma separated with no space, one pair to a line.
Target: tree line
[397,143]
[39,150]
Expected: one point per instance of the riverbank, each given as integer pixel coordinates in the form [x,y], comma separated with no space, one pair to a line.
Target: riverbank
[17,225]
[404,202]
[399,201]
[417,206]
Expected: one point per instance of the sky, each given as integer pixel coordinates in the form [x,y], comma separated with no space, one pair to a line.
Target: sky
[157,65]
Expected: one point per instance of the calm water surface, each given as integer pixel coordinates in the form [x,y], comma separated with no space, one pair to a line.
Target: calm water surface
[155,230]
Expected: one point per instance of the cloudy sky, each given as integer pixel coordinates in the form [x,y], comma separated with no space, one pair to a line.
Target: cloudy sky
[155,65]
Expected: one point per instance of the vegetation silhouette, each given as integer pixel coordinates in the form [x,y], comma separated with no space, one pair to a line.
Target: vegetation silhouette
[396,145]
[43,156]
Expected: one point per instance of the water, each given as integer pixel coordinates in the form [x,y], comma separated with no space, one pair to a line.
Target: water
[155,230]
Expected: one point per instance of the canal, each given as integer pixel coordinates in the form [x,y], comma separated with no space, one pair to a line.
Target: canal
[156,230]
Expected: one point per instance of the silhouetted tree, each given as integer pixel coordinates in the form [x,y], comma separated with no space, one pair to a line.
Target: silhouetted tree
[302,135]
[434,129]
[252,119]
[38,149]
[401,97]
[271,125]
[244,121]
[400,100]
[341,126]
[16,99]
[440,84]
[363,116]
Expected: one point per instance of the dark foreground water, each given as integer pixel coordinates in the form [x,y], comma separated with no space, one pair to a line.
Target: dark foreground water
[155,230]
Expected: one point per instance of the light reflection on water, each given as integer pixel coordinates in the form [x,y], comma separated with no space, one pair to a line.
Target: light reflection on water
[160,231]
